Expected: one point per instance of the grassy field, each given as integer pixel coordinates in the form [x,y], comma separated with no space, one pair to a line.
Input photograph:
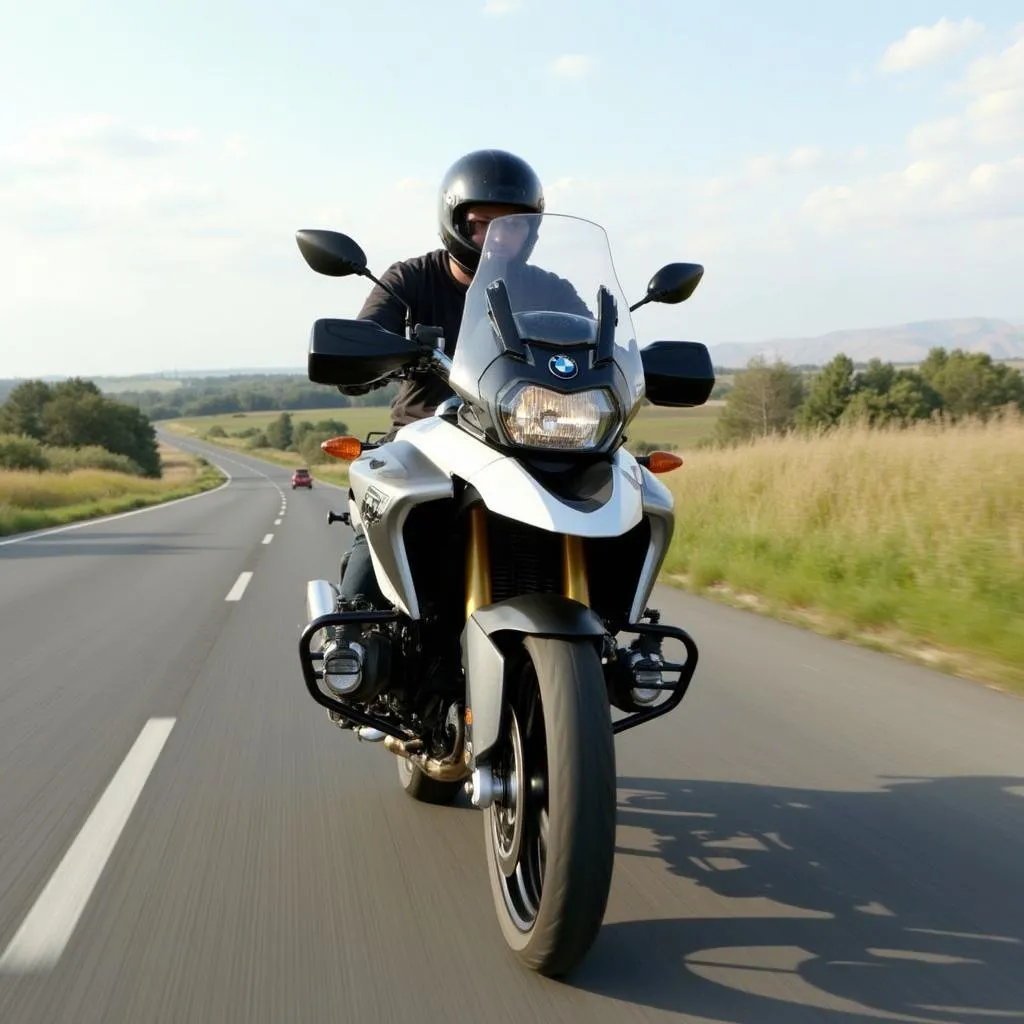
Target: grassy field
[681,427]
[359,420]
[31,500]
[909,540]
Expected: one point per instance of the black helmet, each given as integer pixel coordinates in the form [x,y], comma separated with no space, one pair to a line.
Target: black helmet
[484,176]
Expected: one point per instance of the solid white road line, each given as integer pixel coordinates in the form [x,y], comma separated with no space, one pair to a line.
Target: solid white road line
[40,941]
[268,538]
[236,592]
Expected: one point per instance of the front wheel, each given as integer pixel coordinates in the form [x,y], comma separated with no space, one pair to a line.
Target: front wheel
[551,836]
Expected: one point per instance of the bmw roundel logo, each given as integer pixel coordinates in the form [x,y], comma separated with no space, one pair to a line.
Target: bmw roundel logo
[563,366]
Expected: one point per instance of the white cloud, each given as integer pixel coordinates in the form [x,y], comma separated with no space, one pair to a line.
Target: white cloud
[237,146]
[70,143]
[501,6]
[805,157]
[994,72]
[996,83]
[770,167]
[936,192]
[930,44]
[992,89]
[936,135]
[572,65]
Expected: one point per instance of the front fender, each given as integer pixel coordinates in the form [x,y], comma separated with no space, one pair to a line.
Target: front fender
[485,641]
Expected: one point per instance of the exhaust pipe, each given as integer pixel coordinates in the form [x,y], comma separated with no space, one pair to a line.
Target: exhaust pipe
[452,768]
[320,599]
[449,769]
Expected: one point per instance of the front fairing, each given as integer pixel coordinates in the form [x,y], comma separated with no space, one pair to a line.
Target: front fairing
[545,308]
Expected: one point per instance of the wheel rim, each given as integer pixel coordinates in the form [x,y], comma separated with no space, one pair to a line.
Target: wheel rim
[519,820]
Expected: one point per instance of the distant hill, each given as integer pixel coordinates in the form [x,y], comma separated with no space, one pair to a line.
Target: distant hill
[907,343]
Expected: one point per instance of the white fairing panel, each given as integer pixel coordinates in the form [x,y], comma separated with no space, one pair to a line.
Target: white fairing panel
[418,466]
[509,490]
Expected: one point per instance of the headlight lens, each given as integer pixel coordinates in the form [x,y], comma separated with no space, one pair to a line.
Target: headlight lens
[537,417]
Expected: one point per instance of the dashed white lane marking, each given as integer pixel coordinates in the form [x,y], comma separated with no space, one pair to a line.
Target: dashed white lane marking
[268,538]
[277,522]
[236,592]
[40,941]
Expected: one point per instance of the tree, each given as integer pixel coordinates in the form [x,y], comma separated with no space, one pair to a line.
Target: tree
[971,384]
[22,413]
[908,399]
[78,417]
[884,395]
[280,433]
[764,400]
[829,394]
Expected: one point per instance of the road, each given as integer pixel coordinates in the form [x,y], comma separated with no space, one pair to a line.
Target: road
[819,833]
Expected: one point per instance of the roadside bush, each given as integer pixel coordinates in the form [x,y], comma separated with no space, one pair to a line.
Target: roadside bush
[66,460]
[20,452]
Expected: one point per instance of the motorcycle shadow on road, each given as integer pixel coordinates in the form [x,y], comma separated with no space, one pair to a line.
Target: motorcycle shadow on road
[811,905]
[101,545]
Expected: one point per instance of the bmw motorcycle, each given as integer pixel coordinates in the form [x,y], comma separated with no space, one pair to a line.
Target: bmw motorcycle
[517,542]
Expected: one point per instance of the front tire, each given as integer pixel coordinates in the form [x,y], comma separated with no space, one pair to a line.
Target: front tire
[422,787]
[551,839]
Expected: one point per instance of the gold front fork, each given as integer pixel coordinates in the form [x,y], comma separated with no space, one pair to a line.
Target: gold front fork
[478,562]
[574,570]
[478,565]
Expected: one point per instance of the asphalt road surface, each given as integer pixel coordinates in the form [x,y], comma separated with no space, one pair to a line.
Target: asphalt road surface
[819,833]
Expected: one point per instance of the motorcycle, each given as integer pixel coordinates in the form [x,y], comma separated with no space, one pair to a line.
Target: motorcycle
[515,538]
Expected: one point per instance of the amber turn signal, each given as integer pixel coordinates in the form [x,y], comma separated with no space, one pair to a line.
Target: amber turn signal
[663,462]
[347,448]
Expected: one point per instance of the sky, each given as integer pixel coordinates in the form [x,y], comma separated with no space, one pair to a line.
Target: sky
[832,166]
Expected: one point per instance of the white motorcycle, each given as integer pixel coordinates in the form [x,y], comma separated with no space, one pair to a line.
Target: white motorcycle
[515,538]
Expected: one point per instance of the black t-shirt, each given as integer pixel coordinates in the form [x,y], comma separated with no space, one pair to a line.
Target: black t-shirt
[438,300]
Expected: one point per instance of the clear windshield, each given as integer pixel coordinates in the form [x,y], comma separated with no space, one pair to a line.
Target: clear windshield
[558,276]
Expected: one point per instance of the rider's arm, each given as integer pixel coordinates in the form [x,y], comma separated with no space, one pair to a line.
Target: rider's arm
[384,309]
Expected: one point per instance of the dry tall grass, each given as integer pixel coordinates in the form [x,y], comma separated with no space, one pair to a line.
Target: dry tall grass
[921,530]
[30,499]
[33,490]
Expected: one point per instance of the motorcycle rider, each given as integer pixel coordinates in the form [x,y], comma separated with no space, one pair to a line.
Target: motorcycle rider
[478,188]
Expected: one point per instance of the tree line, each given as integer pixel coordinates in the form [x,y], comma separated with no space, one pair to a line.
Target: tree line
[770,398]
[216,396]
[74,414]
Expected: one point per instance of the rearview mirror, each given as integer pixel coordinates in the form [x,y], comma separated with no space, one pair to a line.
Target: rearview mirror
[331,253]
[675,282]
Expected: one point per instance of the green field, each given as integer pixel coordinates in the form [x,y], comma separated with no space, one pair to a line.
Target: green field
[359,419]
[679,427]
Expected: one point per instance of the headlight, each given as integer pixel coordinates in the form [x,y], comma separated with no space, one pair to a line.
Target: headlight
[537,417]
